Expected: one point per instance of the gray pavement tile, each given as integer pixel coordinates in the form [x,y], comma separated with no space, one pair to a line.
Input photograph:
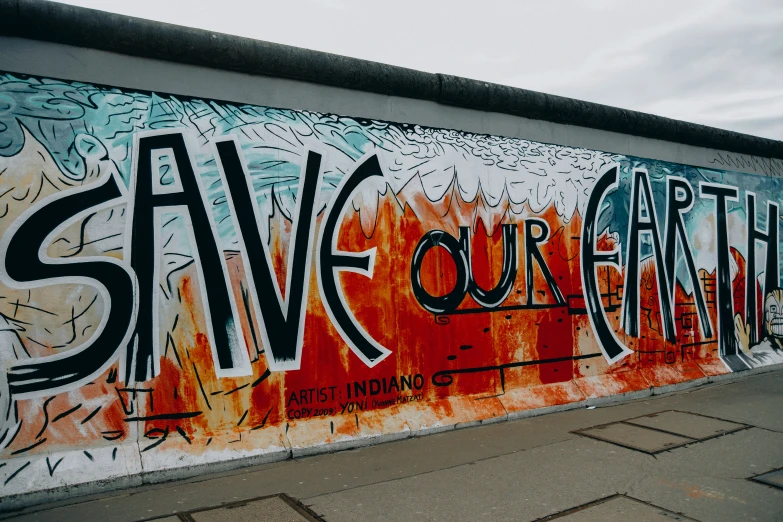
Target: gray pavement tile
[736,456]
[518,487]
[322,474]
[272,509]
[755,401]
[687,424]
[703,481]
[708,481]
[710,498]
[635,437]
[619,509]
[773,478]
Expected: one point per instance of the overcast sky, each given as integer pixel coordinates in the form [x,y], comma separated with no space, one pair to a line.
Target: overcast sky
[715,62]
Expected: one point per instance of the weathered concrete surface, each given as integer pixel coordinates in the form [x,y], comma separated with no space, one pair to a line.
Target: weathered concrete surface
[519,470]
[620,509]
[273,509]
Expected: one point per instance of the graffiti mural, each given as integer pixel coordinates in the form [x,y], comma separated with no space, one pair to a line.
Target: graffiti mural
[184,280]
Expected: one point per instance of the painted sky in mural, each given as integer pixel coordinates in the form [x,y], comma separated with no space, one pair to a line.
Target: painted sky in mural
[185,273]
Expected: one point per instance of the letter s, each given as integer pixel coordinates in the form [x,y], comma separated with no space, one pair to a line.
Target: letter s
[24,264]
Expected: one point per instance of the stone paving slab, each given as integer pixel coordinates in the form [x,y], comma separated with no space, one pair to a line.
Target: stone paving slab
[773,478]
[618,509]
[704,481]
[273,509]
[636,437]
[687,424]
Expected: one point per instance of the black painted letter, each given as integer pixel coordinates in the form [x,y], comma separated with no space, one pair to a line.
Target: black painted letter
[115,283]
[771,267]
[489,298]
[727,342]
[532,252]
[282,322]
[218,302]
[679,200]
[332,261]
[590,259]
[637,225]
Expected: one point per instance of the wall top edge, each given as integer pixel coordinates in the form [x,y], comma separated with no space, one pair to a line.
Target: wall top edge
[89,28]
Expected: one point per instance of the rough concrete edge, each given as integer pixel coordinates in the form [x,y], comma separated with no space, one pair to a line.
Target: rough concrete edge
[357,442]
[219,466]
[679,386]
[733,376]
[585,402]
[432,430]
[480,422]
[607,400]
[20,502]
[90,28]
[526,414]
[11,505]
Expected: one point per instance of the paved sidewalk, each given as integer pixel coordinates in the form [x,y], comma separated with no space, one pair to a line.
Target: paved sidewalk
[689,467]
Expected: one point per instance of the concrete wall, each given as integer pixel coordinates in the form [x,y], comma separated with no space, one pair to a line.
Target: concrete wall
[203,268]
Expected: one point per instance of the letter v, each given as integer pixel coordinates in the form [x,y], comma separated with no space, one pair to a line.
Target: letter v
[281,322]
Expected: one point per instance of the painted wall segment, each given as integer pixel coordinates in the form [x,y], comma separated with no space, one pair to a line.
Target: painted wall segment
[187,281]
